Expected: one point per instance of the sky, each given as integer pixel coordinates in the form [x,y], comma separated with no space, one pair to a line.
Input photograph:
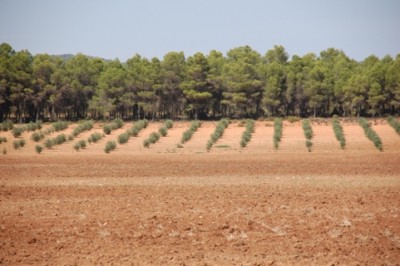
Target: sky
[122,28]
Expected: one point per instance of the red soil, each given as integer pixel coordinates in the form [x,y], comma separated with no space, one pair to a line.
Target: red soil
[229,206]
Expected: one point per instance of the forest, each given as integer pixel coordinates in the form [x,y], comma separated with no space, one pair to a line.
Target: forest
[241,84]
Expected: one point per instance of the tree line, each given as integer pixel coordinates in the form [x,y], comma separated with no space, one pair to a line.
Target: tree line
[243,83]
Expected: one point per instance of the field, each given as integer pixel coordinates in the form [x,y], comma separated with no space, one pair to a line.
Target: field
[183,205]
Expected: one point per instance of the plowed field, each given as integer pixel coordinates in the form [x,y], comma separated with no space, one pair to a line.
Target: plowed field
[182,205]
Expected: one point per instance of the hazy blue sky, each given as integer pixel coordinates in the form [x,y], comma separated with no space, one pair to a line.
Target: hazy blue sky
[121,28]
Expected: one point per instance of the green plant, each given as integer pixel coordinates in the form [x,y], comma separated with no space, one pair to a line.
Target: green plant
[370,133]
[278,125]
[38,148]
[95,137]
[218,132]
[17,131]
[308,132]
[137,127]
[163,130]
[18,144]
[4,151]
[107,129]
[110,145]
[115,124]
[59,139]
[77,146]
[394,124]
[3,139]
[338,130]
[123,138]
[246,136]
[32,126]
[309,144]
[82,143]
[153,138]
[168,123]
[37,136]
[59,125]
[48,143]
[187,135]
[6,125]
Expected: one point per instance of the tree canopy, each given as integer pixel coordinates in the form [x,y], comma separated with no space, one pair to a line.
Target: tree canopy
[241,84]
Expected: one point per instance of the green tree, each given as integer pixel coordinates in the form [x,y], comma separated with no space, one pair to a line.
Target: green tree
[243,92]
[195,87]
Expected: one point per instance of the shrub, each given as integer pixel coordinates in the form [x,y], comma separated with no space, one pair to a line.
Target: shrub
[60,139]
[338,130]
[115,124]
[146,143]
[277,132]
[107,129]
[187,135]
[77,146]
[123,138]
[80,145]
[17,131]
[18,144]
[246,136]
[6,125]
[85,126]
[309,144]
[218,132]
[37,136]
[59,125]
[38,148]
[4,151]
[48,143]
[110,145]
[163,130]
[137,127]
[308,132]
[153,138]
[169,123]
[370,133]
[394,124]
[32,126]
[3,139]
[95,137]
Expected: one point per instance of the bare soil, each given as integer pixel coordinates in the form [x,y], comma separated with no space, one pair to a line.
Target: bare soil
[182,205]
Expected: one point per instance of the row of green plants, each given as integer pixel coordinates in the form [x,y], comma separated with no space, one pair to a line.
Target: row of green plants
[370,133]
[115,124]
[155,136]
[218,132]
[133,131]
[394,124]
[187,135]
[32,126]
[55,127]
[246,135]
[278,126]
[308,133]
[83,126]
[338,130]
[58,140]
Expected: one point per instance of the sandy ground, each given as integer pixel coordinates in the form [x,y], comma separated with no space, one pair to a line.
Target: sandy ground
[170,205]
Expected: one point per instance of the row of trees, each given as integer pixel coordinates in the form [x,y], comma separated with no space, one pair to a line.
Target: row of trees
[241,84]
